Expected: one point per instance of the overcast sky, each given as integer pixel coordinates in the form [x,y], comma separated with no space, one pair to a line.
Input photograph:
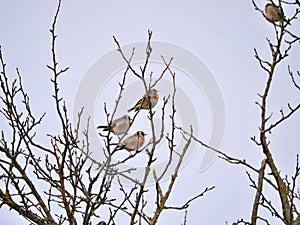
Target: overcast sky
[221,34]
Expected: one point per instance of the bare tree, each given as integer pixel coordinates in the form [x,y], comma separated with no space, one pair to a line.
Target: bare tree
[286,187]
[60,182]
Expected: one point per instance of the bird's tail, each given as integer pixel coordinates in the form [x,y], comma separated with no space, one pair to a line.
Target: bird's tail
[119,144]
[102,127]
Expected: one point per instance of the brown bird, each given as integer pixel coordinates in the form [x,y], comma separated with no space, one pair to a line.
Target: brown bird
[133,142]
[101,223]
[273,13]
[118,126]
[144,102]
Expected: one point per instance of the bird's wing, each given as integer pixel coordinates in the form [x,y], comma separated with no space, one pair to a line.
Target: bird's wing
[141,102]
[119,122]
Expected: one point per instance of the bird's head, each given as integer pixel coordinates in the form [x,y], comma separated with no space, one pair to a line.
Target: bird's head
[141,134]
[127,117]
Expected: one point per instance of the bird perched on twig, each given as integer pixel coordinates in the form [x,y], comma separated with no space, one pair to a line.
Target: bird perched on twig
[118,126]
[101,223]
[133,142]
[149,100]
[273,13]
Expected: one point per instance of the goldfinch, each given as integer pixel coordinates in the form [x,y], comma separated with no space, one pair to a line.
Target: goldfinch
[118,126]
[101,223]
[133,142]
[144,102]
[273,13]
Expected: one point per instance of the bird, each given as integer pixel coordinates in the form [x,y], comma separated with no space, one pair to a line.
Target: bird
[118,126]
[273,13]
[144,103]
[133,142]
[101,223]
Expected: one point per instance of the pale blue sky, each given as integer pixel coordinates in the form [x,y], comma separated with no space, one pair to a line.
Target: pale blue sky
[221,34]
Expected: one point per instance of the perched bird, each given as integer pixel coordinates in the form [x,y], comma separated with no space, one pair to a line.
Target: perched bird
[273,13]
[144,102]
[101,223]
[133,142]
[118,126]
